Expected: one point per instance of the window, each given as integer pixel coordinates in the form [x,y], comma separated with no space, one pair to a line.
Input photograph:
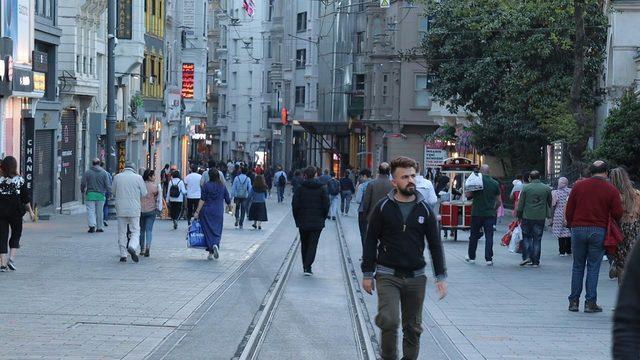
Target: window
[423,26]
[385,88]
[234,79]
[360,78]
[269,83]
[250,85]
[359,42]
[78,64]
[233,114]
[233,135]
[269,49]
[301,23]
[301,58]
[270,10]
[300,95]
[91,69]
[421,90]
[361,5]
[235,47]
[44,8]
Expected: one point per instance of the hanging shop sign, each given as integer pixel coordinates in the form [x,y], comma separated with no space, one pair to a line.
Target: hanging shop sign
[40,61]
[22,80]
[39,82]
[124,11]
[433,157]
[28,134]
[188,78]
[6,66]
[122,155]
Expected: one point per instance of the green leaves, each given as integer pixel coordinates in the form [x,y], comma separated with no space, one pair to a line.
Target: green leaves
[511,63]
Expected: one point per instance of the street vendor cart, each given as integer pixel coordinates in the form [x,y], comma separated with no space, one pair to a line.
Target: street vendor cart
[455,208]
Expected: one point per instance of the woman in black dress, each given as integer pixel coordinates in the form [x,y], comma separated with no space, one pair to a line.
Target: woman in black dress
[15,201]
[257,205]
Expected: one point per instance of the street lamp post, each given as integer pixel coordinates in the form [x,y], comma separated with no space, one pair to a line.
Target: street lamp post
[111,89]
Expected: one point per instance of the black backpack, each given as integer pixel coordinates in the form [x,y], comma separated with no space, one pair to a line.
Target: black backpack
[334,187]
[282,181]
[174,190]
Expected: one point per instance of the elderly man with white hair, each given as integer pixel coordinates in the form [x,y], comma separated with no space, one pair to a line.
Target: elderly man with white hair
[128,187]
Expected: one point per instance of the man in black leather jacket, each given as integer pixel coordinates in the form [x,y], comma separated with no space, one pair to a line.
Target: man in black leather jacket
[626,321]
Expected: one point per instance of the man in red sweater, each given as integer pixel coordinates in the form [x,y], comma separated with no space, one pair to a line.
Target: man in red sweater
[591,203]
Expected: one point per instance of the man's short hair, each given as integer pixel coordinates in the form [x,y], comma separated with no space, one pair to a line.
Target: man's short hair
[243,170]
[194,168]
[333,174]
[534,175]
[211,164]
[365,172]
[402,162]
[310,172]
[599,167]
[384,169]
[95,162]
[326,171]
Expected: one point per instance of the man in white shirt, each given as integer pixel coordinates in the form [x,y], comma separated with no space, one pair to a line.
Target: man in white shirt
[425,187]
[192,183]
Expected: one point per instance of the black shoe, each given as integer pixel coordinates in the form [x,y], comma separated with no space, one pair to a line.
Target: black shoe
[525,262]
[236,224]
[133,254]
[333,218]
[254,226]
[573,306]
[3,269]
[175,225]
[11,265]
[99,230]
[146,253]
[123,259]
[259,227]
[106,223]
[591,307]
[92,229]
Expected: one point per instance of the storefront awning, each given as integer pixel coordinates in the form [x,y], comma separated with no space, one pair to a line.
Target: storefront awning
[326,128]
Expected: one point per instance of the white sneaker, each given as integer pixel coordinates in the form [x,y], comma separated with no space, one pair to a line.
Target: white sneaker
[210,257]
[489,263]
[215,252]
[469,260]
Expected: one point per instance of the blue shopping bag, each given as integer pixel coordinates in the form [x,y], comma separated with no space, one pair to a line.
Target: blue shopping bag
[195,237]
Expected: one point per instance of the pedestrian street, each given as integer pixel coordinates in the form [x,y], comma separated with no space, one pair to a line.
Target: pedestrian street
[71,299]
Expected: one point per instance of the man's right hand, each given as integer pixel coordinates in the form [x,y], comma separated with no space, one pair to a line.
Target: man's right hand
[368,285]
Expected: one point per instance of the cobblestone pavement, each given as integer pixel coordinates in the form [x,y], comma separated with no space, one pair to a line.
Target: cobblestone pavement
[70,297]
[509,312]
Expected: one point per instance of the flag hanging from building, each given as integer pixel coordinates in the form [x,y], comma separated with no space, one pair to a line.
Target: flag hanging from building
[248,6]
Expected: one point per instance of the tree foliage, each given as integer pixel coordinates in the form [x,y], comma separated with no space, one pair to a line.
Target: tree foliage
[620,142]
[509,62]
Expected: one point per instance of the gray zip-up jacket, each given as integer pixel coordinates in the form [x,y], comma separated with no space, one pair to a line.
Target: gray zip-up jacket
[96,179]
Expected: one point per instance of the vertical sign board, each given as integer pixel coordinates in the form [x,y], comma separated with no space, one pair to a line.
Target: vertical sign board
[122,155]
[124,24]
[433,157]
[188,80]
[189,16]
[28,134]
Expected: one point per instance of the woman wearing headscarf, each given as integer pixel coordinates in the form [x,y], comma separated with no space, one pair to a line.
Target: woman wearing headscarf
[559,228]
[210,211]
[630,221]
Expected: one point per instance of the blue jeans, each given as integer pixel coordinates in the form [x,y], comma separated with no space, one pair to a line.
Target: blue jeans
[532,239]
[280,194]
[335,203]
[587,244]
[486,223]
[146,229]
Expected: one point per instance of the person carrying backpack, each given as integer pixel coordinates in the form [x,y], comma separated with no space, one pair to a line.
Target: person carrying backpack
[240,192]
[333,187]
[281,182]
[175,197]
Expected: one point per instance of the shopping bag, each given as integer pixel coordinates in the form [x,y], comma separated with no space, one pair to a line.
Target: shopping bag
[612,237]
[516,239]
[474,182]
[506,239]
[195,236]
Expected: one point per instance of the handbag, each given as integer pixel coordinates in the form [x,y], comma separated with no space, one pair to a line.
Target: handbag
[613,237]
[506,239]
[195,236]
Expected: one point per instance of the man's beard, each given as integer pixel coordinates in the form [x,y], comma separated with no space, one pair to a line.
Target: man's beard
[407,191]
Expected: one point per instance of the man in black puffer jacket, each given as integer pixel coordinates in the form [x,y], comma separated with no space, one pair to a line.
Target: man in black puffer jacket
[310,208]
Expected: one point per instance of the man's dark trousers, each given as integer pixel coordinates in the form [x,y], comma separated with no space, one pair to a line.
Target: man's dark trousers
[308,246]
[241,209]
[362,225]
[486,223]
[532,240]
[400,296]
[280,193]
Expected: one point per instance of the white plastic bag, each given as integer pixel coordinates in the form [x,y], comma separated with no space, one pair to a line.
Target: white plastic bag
[516,237]
[474,182]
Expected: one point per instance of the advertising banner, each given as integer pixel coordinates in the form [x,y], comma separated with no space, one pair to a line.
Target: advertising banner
[28,134]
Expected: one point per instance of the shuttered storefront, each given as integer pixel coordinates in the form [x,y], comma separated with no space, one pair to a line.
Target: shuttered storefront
[43,178]
[68,155]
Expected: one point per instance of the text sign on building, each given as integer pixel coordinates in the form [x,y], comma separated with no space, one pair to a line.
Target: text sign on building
[28,134]
[39,82]
[124,25]
[40,61]
[22,80]
[188,78]
[189,16]
[433,157]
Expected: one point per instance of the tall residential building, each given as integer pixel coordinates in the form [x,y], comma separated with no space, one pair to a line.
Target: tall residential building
[81,77]
[241,112]
[29,108]
[622,62]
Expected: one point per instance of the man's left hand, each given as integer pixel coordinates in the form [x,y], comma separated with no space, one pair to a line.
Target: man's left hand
[442,289]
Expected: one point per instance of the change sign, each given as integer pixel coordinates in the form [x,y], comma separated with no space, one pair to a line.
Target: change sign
[29,151]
